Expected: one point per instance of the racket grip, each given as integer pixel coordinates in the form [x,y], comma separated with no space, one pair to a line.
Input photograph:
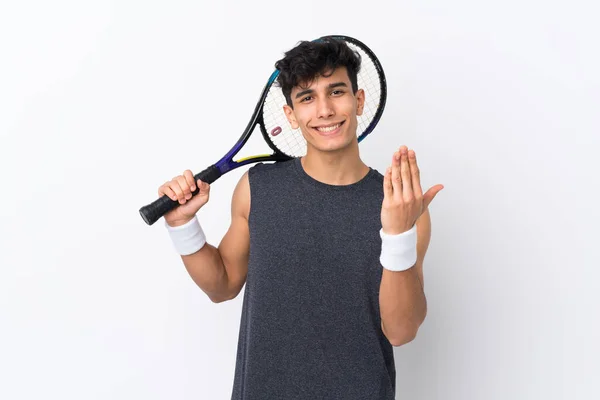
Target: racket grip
[152,212]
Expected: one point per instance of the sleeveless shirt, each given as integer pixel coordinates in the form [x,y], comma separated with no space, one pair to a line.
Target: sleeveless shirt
[310,326]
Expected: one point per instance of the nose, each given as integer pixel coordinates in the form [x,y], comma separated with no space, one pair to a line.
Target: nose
[324,108]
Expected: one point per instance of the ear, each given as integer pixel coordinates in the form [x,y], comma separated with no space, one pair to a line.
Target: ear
[291,117]
[360,100]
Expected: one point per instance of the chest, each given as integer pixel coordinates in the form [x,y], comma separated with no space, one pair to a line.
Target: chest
[320,245]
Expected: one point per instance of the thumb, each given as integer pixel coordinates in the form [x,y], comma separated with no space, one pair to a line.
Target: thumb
[430,194]
[200,198]
[203,187]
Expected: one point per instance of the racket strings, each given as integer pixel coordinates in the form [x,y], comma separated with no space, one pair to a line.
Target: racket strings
[290,141]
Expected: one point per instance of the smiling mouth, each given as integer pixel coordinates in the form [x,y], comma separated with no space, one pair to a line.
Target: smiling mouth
[330,128]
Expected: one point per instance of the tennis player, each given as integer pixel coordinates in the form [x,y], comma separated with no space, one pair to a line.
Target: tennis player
[330,250]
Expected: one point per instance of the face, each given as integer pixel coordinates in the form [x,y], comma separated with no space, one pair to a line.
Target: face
[326,111]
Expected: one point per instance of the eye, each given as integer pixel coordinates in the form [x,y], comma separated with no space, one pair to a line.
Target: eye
[307,98]
[337,92]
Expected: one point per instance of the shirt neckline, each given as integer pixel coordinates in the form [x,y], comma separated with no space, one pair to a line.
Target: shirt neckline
[313,182]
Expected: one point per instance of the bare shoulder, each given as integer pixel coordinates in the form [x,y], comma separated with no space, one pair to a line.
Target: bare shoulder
[240,201]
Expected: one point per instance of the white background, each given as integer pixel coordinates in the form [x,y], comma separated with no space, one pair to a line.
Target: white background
[101,102]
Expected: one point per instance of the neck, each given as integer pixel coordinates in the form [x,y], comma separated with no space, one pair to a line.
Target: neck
[335,168]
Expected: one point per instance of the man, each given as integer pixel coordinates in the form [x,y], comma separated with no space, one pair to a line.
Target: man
[331,251]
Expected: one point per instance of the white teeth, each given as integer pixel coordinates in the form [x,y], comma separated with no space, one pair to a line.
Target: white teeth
[328,128]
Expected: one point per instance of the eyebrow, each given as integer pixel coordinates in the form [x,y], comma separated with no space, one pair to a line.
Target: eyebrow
[330,86]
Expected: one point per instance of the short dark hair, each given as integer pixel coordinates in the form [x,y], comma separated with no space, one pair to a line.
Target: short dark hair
[308,59]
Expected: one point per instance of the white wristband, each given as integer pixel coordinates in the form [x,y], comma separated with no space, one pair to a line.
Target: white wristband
[187,238]
[399,252]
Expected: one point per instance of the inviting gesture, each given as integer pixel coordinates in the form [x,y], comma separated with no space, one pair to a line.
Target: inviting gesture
[403,198]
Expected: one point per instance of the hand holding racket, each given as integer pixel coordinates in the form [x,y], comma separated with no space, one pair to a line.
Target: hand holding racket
[180,190]
[285,142]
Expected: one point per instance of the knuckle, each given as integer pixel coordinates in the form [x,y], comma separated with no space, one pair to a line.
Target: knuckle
[182,182]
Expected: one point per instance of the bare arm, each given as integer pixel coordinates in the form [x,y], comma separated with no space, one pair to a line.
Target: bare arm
[221,272]
[402,301]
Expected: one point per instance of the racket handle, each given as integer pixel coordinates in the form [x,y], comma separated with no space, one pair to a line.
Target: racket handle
[153,211]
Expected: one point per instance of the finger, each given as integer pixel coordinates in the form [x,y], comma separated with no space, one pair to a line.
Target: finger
[430,195]
[395,175]
[184,186]
[166,190]
[407,191]
[388,190]
[189,177]
[176,187]
[416,174]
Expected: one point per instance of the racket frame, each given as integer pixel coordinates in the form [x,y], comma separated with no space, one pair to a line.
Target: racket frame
[153,211]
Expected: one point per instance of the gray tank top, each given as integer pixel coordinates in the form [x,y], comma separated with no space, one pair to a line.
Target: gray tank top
[310,326]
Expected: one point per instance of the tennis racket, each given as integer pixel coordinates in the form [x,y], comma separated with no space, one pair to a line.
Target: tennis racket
[285,142]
